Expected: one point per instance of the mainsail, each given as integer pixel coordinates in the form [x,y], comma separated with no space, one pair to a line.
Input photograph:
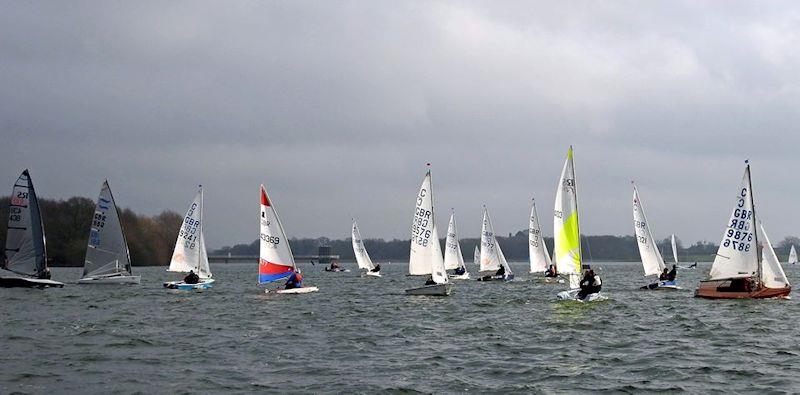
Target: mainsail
[772,274]
[490,257]
[452,253]
[362,257]
[426,253]
[25,243]
[652,260]
[566,231]
[107,250]
[737,256]
[537,250]
[674,249]
[792,255]
[190,248]
[275,256]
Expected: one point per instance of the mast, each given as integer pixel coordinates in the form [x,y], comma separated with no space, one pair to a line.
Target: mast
[577,217]
[755,220]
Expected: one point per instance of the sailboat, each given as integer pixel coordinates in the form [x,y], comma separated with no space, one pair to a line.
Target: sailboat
[476,257]
[26,257]
[675,255]
[453,259]
[737,271]
[107,258]
[426,252]
[652,261]
[792,255]
[275,259]
[190,249]
[492,257]
[567,234]
[537,250]
[362,256]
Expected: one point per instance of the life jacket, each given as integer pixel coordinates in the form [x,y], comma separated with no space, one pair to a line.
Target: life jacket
[298,277]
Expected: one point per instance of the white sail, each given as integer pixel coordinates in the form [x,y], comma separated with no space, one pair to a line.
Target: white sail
[476,256]
[25,242]
[652,260]
[736,256]
[772,274]
[362,256]
[792,255]
[565,223]
[490,257]
[107,250]
[674,249]
[426,253]
[274,246]
[190,248]
[503,261]
[453,259]
[537,250]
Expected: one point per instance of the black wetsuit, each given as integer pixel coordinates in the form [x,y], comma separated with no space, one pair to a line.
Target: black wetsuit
[376,269]
[587,286]
[191,278]
[460,270]
[672,274]
[501,271]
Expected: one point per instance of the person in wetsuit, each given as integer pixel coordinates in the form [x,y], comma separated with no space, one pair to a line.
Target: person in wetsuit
[294,281]
[551,271]
[664,275]
[501,272]
[430,281]
[377,268]
[588,285]
[672,273]
[334,266]
[460,270]
[191,278]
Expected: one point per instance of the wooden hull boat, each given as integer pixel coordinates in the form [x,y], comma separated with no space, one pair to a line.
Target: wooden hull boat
[738,288]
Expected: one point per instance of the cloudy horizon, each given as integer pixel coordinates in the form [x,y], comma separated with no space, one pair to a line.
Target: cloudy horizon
[336,107]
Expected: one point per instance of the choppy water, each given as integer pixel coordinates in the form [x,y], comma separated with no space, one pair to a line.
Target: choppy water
[364,335]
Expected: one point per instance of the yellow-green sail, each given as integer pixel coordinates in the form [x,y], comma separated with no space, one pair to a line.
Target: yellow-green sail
[565,222]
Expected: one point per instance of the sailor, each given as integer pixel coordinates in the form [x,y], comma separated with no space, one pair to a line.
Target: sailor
[501,272]
[295,280]
[587,284]
[672,273]
[430,281]
[551,271]
[191,278]
[460,270]
[334,265]
[664,275]
[45,273]
[376,269]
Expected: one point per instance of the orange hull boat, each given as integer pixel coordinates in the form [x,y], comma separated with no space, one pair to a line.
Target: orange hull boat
[738,288]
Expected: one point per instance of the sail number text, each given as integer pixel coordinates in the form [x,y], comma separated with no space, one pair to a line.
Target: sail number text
[420,234]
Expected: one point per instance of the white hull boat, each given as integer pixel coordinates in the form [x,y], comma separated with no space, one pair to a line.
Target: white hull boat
[114,279]
[182,286]
[432,290]
[572,294]
[372,274]
[295,291]
[464,276]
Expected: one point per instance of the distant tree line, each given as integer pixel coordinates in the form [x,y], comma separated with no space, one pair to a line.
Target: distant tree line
[66,227]
[515,247]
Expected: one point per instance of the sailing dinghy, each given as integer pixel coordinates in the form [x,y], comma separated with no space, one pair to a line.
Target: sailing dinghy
[537,250]
[426,252]
[492,257]
[362,256]
[476,257]
[26,257]
[567,234]
[453,259]
[674,243]
[738,272]
[107,258]
[275,259]
[652,261]
[792,255]
[190,249]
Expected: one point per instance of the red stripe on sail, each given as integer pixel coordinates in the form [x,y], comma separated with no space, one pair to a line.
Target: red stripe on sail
[264,199]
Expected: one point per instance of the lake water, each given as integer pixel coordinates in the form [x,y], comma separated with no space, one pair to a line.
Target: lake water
[364,335]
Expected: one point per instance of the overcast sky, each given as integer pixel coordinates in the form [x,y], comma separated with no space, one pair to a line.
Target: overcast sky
[337,106]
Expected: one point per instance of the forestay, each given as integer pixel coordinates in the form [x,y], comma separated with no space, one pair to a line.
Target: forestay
[652,260]
[107,250]
[25,243]
[490,257]
[736,256]
[275,255]
[565,222]
[537,250]
[426,253]
[772,274]
[190,248]
[453,259]
[362,257]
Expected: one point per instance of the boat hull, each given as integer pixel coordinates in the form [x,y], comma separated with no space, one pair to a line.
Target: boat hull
[431,290]
[295,291]
[496,278]
[372,274]
[733,289]
[327,269]
[572,294]
[111,280]
[464,276]
[24,282]
[661,286]
[182,286]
